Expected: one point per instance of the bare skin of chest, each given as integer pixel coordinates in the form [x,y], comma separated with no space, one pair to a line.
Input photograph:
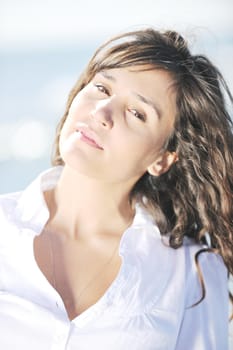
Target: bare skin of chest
[80,271]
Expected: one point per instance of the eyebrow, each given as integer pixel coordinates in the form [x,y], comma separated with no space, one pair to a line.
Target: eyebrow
[143,99]
[107,76]
[150,103]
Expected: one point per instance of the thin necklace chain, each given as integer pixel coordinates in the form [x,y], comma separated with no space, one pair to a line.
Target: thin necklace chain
[94,277]
[51,257]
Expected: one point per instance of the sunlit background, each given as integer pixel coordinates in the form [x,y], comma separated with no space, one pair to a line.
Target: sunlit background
[44,45]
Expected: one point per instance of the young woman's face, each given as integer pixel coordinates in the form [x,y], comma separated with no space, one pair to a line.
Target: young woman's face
[118,123]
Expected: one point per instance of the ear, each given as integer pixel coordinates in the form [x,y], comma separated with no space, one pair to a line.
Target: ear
[162,163]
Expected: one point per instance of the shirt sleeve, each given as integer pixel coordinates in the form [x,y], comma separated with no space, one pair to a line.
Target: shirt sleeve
[205,326]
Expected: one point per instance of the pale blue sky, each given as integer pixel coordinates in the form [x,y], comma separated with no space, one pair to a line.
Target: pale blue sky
[49,22]
[37,36]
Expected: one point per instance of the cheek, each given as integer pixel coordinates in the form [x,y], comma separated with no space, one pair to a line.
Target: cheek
[136,154]
[75,112]
[66,130]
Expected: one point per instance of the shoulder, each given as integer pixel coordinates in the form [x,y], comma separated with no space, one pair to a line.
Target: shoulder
[207,266]
[200,263]
[146,241]
[179,269]
[205,316]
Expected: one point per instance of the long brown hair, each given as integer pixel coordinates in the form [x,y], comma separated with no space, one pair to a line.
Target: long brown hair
[195,196]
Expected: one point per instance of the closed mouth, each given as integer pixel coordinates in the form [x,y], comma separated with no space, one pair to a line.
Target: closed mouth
[88,137]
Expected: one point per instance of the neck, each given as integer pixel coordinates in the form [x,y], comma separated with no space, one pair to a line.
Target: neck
[82,207]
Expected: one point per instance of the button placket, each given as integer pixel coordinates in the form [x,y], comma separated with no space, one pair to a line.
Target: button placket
[61,335]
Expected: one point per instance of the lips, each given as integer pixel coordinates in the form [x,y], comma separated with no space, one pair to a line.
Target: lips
[88,136]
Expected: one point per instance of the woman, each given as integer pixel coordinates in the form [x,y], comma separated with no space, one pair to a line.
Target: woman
[127,241]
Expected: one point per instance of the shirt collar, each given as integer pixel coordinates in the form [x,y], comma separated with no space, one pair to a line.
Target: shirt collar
[142,216]
[32,210]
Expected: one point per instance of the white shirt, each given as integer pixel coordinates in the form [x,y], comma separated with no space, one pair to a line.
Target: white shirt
[147,307]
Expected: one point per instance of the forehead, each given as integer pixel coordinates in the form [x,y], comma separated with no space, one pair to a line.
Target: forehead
[141,74]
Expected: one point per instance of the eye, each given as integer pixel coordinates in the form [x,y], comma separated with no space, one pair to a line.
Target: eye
[138,115]
[102,88]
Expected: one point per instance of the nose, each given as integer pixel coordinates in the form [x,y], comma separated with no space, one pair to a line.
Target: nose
[103,113]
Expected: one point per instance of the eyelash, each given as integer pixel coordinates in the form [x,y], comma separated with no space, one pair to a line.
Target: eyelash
[102,89]
[137,114]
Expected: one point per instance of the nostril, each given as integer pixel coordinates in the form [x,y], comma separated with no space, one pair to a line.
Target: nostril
[105,120]
[105,124]
[102,113]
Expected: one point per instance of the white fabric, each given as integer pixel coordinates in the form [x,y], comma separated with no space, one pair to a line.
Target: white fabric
[147,307]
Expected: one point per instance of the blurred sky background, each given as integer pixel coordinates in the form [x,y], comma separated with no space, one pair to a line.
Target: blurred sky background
[44,45]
